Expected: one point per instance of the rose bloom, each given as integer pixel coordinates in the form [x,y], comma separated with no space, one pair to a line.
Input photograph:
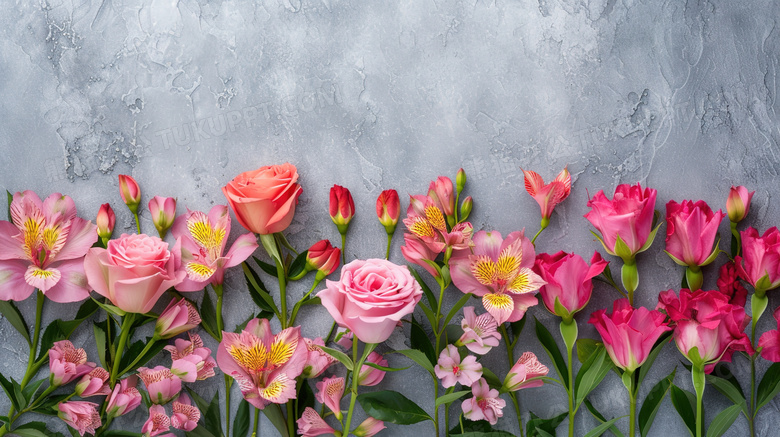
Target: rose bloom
[371,298]
[134,271]
[760,261]
[629,215]
[691,228]
[569,280]
[264,200]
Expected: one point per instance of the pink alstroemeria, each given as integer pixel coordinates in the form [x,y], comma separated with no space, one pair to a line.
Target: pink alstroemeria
[569,281]
[369,428]
[93,384]
[451,369]
[442,193]
[550,195]
[80,415]
[417,252]
[480,333]
[760,261]
[185,415]
[157,423]
[330,392]
[67,363]
[43,247]
[191,361]
[263,364]
[311,424]
[499,271]
[163,210]
[370,376]
[738,203]
[691,228]
[485,405]
[524,373]
[203,239]
[125,397]
[426,222]
[161,384]
[316,360]
[178,317]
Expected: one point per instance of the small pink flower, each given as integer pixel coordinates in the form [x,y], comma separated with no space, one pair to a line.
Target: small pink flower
[691,228]
[550,195]
[311,424]
[178,317]
[93,384]
[161,384]
[730,285]
[450,369]
[522,374]
[370,376]
[760,261]
[369,428]
[157,423]
[569,281]
[130,192]
[191,361]
[442,193]
[323,257]
[479,332]
[330,392]
[125,397]
[105,221]
[185,415]
[738,203]
[67,363]
[417,252]
[485,405]
[163,211]
[388,209]
[316,360]
[427,223]
[79,415]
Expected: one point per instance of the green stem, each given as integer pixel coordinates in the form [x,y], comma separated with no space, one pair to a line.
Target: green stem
[220,322]
[343,248]
[330,333]
[697,374]
[510,353]
[290,419]
[630,278]
[751,405]
[355,376]
[228,383]
[437,332]
[297,306]
[569,334]
[138,358]
[545,222]
[281,275]
[38,401]
[257,423]
[31,369]
[389,240]
[632,392]
[127,322]
[137,222]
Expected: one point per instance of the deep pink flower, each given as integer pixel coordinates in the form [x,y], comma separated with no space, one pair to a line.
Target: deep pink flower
[499,271]
[485,405]
[730,285]
[329,393]
[80,415]
[311,424]
[738,203]
[323,257]
[178,317]
[629,334]
[161,384]
[203,240]
[263,364]
[569,281]
[388,209]
[769,343]
[369,428]
[105,221]
[370,376]
[163,210]
[93,384]
[67,363]
[450,369]
[523,373]
[629,215]
[130,192]
[157,423]
[342,207]
[316,360]
[442,193]
[550,195]
[705,320]
[125,397]
[480,333]
[691,228]
[760,261]
[185,415]
[43,247]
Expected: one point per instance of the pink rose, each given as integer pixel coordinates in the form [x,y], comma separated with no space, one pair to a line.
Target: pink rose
[769,343]
[760,261]
[691,228]
[264,199]
[134,271]
[371,298]
[569,280]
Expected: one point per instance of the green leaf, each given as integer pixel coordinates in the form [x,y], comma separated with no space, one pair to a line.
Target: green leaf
[14,317]
[241,422]
[426,290]
[419,358]
[61,329]
[472,428]
[517,328]
[208,316]
[549,345]
[538,427]
[455,308]
[268,268]
[31,389]
[685,404]
[257,291]
[212,420]
[494,433]
[769,386]
[111,309]
[420,341]
[728,389]
[592,373]
[274,414]
[659,344]
[491,378]
[391,406]
[451,397]
[8,387]
[297,267]
[652,403]
[32,429]
[341,356]
[201,403]
[600,417]
[99,330]
[386,369]
[136,348]
[10,198]
[723,421]
[601,429]
[199,431]
[306,397]
[428,313]
[585,348]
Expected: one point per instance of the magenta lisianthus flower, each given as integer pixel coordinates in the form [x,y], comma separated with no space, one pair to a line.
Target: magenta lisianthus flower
[80,415]
[157,423]
[161,384]
[330,392]
[311,424]
[43,247]
[67,363]
[185,415]
[499,271]
[450,369]
[480,333]
[691,228]
[550,195]
[730,285]
[769,342]
[759,264]
[485,405]
[524,373]
[569,281]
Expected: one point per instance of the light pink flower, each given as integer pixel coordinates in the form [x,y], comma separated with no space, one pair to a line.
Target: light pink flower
[369,428]
[479,332]
[178,317]
[330,392]
[522,374]
[93,384]
[105,221]
[316,360]
[163,211]
[371,297]
[344,338]
[370,376]
[451,370]
[263,364]
[691,228]
[125,397]
[185,415]
[43,247]
[550,195]
[485,405]
[629,334]
[203,240]
[191,361]
[67,363]
[130,192]
[499,271]
[569,280]
[134,271]
[442,193]
[311,424]
[426,222]
[417,252]
[760,261]
[738,203]
[80,415]
[157,423]
[161,384]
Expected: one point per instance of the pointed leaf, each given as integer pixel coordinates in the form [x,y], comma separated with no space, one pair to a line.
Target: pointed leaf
[540,427]
[549,345]
[111,309]
[391,406]
[600,417]
[455,308]
[723,421]
[419,358]
[585,348]
[241,422]
[208,316]
[212,420]
[257,290]
[451,397]
[601,429]
[652,403]
[769,386]
[426,290]
[592,373]
[685,404]
[491,378]
[420,341]
[14,317]
[268,268]
[729,390]
[8,388]
[341,356]
[101,341]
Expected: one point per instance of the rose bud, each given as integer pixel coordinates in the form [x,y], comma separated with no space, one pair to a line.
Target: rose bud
[342,207]
[178,317]
[323,257]
[105,221]
[388,209]
[130,192]
[163,211]
[738,203]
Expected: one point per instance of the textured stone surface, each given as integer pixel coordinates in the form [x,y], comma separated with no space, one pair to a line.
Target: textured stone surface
[183,95]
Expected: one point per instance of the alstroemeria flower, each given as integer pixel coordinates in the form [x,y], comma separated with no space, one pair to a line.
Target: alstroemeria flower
[93,384]
[80,415]
[316,359]
[191,361]
[369,428]
[426,221]
[522,374]
[550,195]
[43,247]
[203,239]
[370,376]
[442,192]
[157,423]
[329,393]
[311,424]
[485,405]
[263,364]
[67,363]
[451,369]
[161,384]
[178,317]
[125,397]
[499,271]
[185,415]
[480,333]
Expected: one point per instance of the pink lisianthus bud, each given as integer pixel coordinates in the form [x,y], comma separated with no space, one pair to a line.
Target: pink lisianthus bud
[370,376]
[330,392]
[480,333]
[130,192]
[105,221]
[67,363]
[451,369]
[691,228]
[522,374]
[161,384]
[442,193]
[550,195]
[316,360]
[157,423]
[323,257]
[369,428]
[185,415]
[629,334]
[569,281]
[342,207]
[485,405]
[730,285]
[125,397]
[760,261]
[738,203]
[178,317]
[163,211]
[80,415]
[93,384]
[388,209]
[311,424]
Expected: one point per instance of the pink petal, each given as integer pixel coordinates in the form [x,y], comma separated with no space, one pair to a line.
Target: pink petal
[72,286]
[242,248]
[10,248]
[12,283]
[82,235]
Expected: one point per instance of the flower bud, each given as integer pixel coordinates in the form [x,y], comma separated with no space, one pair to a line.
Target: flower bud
[93,384]
[125,397]
[163,211]
[105,221]
[440,191]
[80,415]
[342,207]
[369,428]
[527,367]
[465,208]
[738,203]
[323,257]
[388,209]
[460,180]
[130,192]
[370,376]
[178,317]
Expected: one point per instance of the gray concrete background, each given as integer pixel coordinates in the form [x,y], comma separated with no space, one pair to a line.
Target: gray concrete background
[184,95]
